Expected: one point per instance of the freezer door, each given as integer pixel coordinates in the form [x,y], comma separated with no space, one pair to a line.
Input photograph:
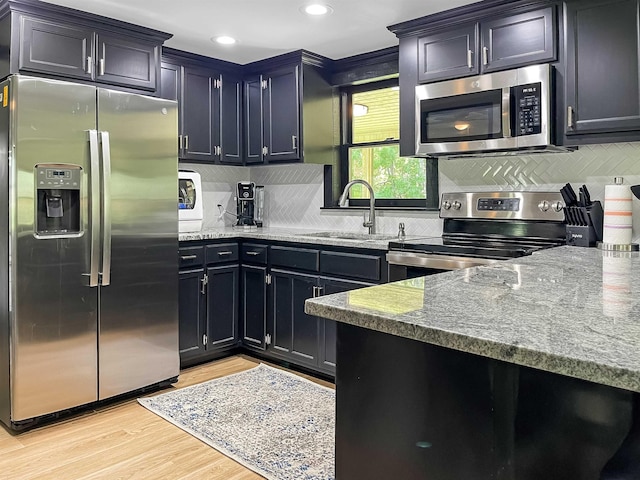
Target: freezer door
[53,311]
[138,321]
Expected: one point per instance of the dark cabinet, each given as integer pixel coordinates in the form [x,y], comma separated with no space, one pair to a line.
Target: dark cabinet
[74,50]
[602,80]
[450,54]
[294,333]
[255,280]
[210,105]
[489,45]
[209,293]
[272,115]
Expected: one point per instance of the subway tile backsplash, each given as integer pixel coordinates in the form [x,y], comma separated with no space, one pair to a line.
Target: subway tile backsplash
[294,193]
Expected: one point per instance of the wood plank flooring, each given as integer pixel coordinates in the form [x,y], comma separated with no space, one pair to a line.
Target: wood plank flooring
[123,441]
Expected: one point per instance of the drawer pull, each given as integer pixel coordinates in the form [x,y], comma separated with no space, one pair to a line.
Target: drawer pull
[253,254]
[188,257]
[226,252]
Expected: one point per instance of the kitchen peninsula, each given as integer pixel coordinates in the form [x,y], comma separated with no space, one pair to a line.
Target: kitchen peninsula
[525,370]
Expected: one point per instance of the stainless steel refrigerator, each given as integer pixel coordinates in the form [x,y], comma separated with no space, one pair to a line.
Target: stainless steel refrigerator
[88,246]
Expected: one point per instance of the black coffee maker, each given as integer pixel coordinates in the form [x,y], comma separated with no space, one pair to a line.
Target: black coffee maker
[250,204]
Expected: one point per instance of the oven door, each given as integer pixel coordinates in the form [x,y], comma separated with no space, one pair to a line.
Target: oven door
[403,265]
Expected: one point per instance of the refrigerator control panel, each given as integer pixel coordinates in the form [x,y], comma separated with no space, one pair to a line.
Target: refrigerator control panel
[64,178]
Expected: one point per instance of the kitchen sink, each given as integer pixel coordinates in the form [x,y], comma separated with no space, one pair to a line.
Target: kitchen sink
[351,236]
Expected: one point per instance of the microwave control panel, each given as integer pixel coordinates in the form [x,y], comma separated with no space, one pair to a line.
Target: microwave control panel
[528,104]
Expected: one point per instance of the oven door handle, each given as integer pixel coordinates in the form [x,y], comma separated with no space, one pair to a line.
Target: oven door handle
[436,262]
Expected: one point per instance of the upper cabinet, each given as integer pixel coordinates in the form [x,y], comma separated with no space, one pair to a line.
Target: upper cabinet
[602,79]
[288,110]
[491,44]
[209,95]
[45,39]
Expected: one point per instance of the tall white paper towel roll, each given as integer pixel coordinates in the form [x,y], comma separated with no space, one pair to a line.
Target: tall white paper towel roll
[618,213]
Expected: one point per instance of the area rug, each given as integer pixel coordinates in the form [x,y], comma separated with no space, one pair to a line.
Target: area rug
[275,423]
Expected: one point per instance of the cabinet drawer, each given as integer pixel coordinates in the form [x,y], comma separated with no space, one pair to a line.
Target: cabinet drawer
[351,265]
[298,258]
[190,257]
[254,253]
[224,252]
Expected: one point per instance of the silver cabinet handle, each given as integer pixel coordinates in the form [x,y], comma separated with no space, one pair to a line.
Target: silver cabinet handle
[294,142]
[469,58]
[179,142]
[506,111]
[217,150]
[225,253]
[89,69]
[188,257]
[485,55]
[94,180]
[204,280]
[186,142]
[106,212]
[253,254]
[570,120]
[102,66]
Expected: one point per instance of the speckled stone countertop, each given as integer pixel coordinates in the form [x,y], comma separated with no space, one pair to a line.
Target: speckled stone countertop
[336,239]
[568,310]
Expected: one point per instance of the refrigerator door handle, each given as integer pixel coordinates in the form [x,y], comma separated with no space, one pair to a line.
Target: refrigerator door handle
[94,178]
[106,211]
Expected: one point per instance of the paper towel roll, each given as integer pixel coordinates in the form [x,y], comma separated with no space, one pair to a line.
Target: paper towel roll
[618,213]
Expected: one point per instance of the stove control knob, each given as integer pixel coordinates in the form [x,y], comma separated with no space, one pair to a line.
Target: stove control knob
[446,205]
[544,206]
[456,205]
[557,206]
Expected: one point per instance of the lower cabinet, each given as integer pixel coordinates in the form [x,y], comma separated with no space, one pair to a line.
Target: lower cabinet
[209,290]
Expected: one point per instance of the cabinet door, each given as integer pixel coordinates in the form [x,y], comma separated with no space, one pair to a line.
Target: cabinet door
[448,55]
[327,346]
[254,306]
[222,306]
[231,120]
[200,118]
[191,308]
[56,48]
[253,115]
[171,86]
[518,40]
[295,334]
[602,82]
[282,114]
[127,61]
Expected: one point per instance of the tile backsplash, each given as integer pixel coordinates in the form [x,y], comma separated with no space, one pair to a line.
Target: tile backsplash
[294,193]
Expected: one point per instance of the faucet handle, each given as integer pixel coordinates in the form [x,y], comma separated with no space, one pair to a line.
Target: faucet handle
[401,234]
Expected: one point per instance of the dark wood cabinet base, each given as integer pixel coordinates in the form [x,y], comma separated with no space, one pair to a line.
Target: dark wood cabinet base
[410,410]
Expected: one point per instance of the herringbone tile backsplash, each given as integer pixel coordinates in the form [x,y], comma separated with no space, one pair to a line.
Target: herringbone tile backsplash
[294,193]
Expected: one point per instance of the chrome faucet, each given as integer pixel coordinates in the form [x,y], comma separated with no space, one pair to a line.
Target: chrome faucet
[371,224]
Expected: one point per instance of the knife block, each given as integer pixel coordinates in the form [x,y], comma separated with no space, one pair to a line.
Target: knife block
[589,231]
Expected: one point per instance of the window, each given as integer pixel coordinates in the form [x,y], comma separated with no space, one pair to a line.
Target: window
[370,150]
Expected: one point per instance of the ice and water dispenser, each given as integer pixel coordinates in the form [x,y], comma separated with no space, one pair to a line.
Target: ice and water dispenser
[57,199]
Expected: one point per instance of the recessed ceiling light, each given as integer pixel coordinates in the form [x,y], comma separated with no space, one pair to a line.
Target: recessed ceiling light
[224,40]
[317,9]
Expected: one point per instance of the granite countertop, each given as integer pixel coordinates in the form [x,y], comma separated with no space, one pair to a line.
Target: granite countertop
[297,235]
[568,310]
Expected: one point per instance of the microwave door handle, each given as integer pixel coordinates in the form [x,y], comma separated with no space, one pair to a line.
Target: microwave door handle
[506,112]
[106,212]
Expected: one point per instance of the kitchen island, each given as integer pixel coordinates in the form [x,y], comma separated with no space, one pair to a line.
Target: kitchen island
[529,369]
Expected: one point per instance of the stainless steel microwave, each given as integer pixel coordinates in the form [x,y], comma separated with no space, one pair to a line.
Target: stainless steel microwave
[506,111]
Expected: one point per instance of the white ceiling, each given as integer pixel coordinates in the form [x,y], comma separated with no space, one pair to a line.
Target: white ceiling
[264,28]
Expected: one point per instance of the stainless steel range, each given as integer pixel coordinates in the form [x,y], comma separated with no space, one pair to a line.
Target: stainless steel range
[482,228]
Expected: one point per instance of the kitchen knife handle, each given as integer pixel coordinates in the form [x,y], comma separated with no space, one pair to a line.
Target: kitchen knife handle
[94,196]
[106,212]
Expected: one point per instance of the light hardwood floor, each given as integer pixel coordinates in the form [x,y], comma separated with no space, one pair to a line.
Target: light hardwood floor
[123,441]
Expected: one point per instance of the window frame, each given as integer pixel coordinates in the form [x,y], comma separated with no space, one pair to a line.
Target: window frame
[346,142]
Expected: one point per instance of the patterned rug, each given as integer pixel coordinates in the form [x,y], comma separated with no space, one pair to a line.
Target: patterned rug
[275,423]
